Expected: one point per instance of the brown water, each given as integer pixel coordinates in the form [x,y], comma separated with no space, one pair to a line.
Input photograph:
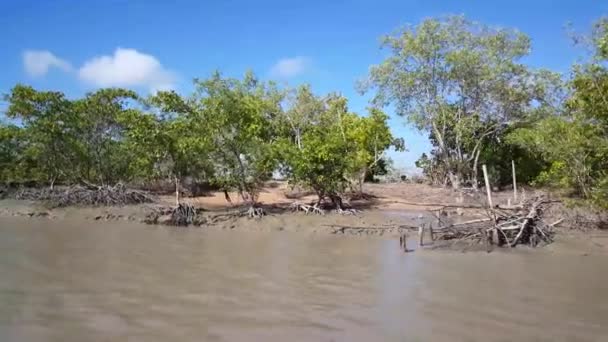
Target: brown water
[106,282]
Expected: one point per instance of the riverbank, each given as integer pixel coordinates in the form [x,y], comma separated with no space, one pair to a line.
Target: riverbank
[386,206]
[386,210]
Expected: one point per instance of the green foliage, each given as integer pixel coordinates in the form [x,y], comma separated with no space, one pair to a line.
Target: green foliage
[13,162]
[462,82]
[575,150]
[179,143]
[238,116]
[50,126]
[103,156]
[330,145]
[575,143]
[320,160]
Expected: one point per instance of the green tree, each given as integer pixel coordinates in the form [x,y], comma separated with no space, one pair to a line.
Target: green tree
[320,160]
[303,113]
[13,165]
[240,115]
[461,81]
[177,140]
[331,145]
[104,157]
[574,142]
[51,130]
[368,138]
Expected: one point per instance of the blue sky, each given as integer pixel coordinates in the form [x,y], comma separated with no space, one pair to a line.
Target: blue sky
[77,46]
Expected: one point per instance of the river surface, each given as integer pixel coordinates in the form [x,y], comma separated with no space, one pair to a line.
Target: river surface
[68,281]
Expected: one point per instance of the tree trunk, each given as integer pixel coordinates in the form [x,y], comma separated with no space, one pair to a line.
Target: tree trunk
[298,139]
[362,180]
[454,180]
[475,170]
[176,191]
[321,195]
[336,200]
[227,197]
[242,185]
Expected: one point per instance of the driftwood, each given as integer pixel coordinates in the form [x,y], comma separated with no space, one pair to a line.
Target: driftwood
[524,226]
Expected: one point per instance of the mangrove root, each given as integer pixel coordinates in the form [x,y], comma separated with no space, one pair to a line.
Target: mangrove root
[183,215]
[306,208]
[349,211]
[104,195]
[255,212]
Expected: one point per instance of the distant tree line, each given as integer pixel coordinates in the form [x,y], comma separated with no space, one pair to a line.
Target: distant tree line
[233,133]
[462,82]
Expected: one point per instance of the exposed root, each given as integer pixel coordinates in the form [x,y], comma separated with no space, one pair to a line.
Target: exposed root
[308,209]
[90,195]
[349,211]
[183,215]
[255,212]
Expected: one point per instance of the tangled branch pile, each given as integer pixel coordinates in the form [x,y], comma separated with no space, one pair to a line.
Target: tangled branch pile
[78,195]
[522,224]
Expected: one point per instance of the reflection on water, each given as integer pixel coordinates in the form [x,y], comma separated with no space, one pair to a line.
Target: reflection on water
[63,281]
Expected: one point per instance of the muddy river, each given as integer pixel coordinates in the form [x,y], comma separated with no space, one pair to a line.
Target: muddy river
[63,281]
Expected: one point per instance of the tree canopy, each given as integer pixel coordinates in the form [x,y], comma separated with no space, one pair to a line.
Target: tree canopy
[463,83]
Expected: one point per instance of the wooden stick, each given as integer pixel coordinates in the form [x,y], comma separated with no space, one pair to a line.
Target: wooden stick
[487,181]
[495,237]
[403,241]
[176,191]
[431,232]
[528,218]
[470,222]
[514,182]
[556,222]
[489,192]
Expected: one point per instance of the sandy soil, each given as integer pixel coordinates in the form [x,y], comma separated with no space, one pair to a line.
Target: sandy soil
[393,196]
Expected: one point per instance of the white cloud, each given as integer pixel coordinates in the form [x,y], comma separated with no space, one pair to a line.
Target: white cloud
[38,62]
[127,68]
[289,67]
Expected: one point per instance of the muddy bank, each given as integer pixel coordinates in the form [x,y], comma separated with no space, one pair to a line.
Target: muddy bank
[380,223]
[375,222]
[387,210]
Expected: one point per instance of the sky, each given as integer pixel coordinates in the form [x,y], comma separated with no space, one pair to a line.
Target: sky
[147,45]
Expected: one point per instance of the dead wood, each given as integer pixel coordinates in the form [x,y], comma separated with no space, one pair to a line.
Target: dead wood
[522,226]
